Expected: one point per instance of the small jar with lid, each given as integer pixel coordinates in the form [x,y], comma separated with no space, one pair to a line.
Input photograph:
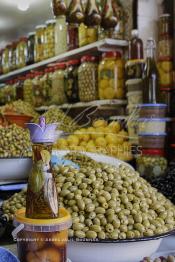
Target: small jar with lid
[88,79]
[57,92]
[152,163]
[22,52]
[39,42]
[111,76]
[71,81]
[31,48]
[5,60]
[49,50]
[13,57]
[28,89]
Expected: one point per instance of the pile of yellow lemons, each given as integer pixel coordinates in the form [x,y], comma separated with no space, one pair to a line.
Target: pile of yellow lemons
[102,138]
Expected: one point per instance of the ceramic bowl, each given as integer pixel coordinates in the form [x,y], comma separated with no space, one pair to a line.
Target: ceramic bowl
[19,120]
[133,250]
[12,169]
[7,256]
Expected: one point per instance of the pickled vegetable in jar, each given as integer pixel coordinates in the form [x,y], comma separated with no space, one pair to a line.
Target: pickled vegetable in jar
[13,57]
[49,50]
[87,34]
[31,48]
[40,43]
[39,92]
[22,52]
[28,89]
[20,87]
[111,76]
[71,81]
[5,60]
[88,79]
[165,69]
[152,163]
[57,92]
[60,35]
[49,73]
[165,25]
[72,36]
[9,92]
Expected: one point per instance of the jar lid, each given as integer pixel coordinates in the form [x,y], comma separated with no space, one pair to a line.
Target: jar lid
[152,134]
[151,105]
[155,152]
[111,54]
[51,21]
[40,27]
[88,58]
[60,66]
[23,39]
[31,33]
[152,119]
[164,15]
[73,62]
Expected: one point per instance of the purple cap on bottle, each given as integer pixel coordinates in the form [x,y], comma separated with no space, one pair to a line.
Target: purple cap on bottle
[42,132]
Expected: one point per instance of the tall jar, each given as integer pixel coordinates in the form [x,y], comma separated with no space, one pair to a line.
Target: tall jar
[5,60]
[39,43]
[13,58]
[72,36]
[60,35]
[20,87]
[22,52]
[57,92]
[49,39]
[38,92]
[31,48]
[111,76]
[49,73]
[88,79]
[9,92]
[71,81]
[28,89]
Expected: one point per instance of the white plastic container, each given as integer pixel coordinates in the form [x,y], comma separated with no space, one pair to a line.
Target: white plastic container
[152,125]
[135,98]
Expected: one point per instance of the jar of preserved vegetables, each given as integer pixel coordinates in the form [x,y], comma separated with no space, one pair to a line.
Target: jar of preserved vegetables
[60,35]
[22,52]
[20,87]
[49,39]
[72,40]
[165,69]
[88,79]
[9,92]
[28,89]
[49,72]
[13,57]
[57,92]
[71,81]
[38,90]
[5,60]
[152,163]
[31,48]
[39,43]
[111,76]
[164,25]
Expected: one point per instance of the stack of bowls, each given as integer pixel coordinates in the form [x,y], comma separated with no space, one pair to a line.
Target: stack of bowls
[152,125]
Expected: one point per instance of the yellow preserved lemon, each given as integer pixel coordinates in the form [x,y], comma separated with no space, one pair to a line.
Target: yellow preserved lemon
[99,123]
[115,126]
[101,94]
[83,144]
[119,93]
[110,65]
[166,78]
[103,84]
[120,73]
[73,140]
[109,93]
[123,134]
[100,141]
[120,64]
[62,142]
[166,66]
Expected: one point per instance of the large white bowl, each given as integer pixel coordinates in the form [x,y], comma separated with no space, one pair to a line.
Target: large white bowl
[14,169]
[113,251]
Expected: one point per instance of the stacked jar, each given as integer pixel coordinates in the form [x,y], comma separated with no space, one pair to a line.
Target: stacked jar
[49,50]
[40,43]
[111,76]
[134,83]
[152,133]
[165,59]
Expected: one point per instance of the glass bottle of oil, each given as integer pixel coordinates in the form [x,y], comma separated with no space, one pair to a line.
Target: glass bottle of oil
[42,199]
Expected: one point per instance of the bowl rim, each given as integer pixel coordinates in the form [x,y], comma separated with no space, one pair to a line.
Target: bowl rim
[121,241]
[17,158]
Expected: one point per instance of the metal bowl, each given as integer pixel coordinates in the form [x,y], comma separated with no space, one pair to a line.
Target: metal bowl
[128,250]
[14,169]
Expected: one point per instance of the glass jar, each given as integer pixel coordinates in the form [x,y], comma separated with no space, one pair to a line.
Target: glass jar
[60,35]
[57,92]
[31,48]
[164,25]
[152,163]
[9,92]
[5,60]
[49,72]
[73,42]
[22,52]
[39,43]
[38,92]
[71,81]
[2,95]
[49,39]
[165,49]
[28,89]
[20,87]
[87,34]
[111,76]
[88,79]
[13,57]
[165,69]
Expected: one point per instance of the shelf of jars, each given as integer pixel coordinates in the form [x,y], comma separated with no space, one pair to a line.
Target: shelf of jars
[96,103]
[94,48]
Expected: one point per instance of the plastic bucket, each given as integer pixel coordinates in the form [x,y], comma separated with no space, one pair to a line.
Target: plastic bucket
[42,239]
[152,125]
[152,110]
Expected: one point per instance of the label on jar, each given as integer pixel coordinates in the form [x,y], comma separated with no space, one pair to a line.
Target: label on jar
[165,50]
[134,69]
